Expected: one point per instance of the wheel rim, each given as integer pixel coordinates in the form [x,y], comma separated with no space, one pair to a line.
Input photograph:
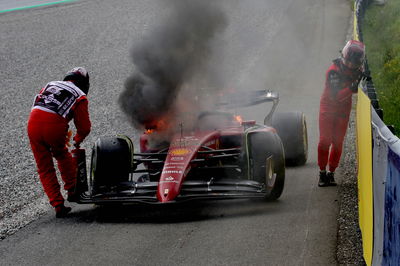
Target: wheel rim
[92,170]
[305,140]
[269,175]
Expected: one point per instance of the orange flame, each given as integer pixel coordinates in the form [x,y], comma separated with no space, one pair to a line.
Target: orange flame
[239,118]
[159,125]
[149,131]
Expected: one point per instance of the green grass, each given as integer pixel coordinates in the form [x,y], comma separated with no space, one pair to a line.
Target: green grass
[381,32]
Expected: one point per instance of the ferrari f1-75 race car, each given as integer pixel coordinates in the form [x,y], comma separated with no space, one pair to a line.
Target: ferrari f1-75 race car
[221,158]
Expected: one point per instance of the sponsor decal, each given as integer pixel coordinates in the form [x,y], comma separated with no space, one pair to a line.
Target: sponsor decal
[174,167]
[54,90]
[186,141]
[172,181]
[174,164]
[172,172]
[177,158]
[50,99]
[179,151]
[169,179]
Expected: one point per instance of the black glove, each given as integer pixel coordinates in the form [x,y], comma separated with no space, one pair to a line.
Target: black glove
[366,76]
[354,86]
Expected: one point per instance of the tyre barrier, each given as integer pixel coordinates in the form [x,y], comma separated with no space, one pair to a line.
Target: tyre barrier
[378,155]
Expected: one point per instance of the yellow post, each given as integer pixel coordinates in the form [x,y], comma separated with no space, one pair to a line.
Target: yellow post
[365,190]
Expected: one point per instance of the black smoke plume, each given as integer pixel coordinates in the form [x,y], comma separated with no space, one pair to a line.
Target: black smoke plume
[175,53]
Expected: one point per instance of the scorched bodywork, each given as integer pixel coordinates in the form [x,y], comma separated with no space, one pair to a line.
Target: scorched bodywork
[221,157]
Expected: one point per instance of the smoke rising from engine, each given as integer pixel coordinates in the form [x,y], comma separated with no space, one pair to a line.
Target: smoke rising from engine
[173,57]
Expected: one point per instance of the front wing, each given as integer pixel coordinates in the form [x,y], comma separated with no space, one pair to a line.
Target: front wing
[213,189]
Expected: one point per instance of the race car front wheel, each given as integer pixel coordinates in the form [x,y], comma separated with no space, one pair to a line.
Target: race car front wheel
[111,162]
[266,162]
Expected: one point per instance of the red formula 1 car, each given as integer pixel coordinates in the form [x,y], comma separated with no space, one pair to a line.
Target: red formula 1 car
[221,158]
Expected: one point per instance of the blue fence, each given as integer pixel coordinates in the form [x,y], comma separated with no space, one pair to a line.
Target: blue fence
[391,237]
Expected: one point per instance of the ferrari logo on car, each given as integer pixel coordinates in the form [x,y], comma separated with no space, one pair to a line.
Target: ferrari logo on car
[179,151]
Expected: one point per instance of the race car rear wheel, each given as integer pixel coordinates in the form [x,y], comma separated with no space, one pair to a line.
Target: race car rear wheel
[292,129]
[111,162]
[266,162]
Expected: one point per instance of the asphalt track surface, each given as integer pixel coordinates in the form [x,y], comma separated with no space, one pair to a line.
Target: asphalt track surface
[7,5]
[282,45]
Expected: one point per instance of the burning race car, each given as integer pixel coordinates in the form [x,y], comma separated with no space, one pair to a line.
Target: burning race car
[222,157]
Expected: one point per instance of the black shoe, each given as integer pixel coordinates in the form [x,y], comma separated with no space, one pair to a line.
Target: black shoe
[62,211]
[331,179]
[323,179]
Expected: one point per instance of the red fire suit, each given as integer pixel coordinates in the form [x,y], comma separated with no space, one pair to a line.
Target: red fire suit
[334,112]
[56,104]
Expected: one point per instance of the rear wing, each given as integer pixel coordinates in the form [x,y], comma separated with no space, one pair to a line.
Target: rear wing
[250,98]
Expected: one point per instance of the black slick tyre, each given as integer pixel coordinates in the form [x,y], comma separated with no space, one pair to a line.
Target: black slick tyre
[292,129]
[111,162]
[266,162]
